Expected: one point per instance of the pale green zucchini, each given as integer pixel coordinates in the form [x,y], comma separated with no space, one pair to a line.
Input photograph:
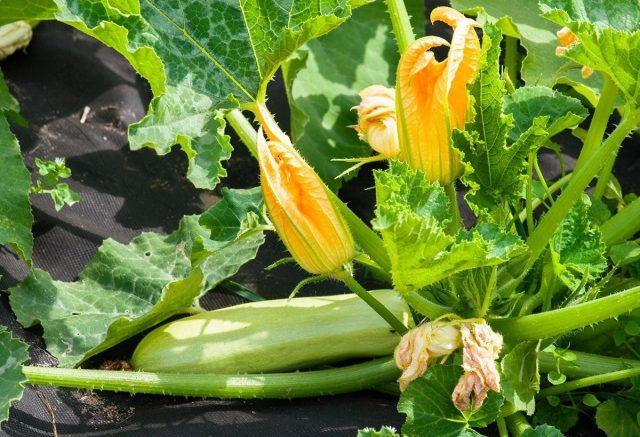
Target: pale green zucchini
[272,335]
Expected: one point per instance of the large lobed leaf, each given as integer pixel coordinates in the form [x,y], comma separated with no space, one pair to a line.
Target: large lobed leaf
[609,38]
[199,56]
[12,354]
[430,410]
[325,76]
[128,288]
[15,210]
[412,216]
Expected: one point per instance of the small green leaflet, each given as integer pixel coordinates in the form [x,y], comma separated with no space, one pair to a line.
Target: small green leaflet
[624,254]
[619,417]
[520,19]
[199,56]
[542,431]
[325,76]
[520,376]
[412,216]
[385,431]
[52,172]
[12,354]
[126,289]
[560,416]
[430,410]
[577,249]
[15,210]
[495,169]
[609,38]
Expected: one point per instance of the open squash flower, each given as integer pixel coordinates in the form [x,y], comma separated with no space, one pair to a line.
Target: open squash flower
[566,38]
[421,346]
[298,204]
[481,348]
[377,120]
[432,97]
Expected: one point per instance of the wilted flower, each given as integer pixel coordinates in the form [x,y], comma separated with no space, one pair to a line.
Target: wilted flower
[481,348]
[297,201]
[566,38]
[14,36]
[433,98]
[419,347]
[377,119]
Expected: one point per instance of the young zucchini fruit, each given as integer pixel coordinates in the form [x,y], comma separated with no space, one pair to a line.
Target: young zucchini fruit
[272,335]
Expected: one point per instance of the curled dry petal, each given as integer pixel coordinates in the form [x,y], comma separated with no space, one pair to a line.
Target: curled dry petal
[377,119]
[313,230]
[481,348]
[419,347]
[433,98]
[14,36]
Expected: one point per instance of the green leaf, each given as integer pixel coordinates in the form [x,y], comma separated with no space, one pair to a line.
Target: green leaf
[495,169]
[412,215]
[530,102]
[521,19]
[560,416]
[609,38]
[520,376]
[324,79]
[430,410]
[385,431]
[8,103]
[199,56]
[625,253]
[14,10]
[12,354]
[590,400]
[52,172]
[15,210]
[542,431]
[127,289]
[577,248]
[618,417]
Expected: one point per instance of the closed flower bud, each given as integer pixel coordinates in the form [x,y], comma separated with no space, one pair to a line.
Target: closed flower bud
[14,36]
[298,204]
[481,348]
[565,39]
[421,346]
[377,119]
[433,98]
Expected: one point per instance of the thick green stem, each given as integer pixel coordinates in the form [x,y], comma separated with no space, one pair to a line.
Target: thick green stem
[556,186]
[580,179]
[563,320]
[401,24]
[605,176]
[274,385]
[529,196]
[623,225]
[599,122]
[589,381]
[512,59]
[454,207]
[502,427]
[363,234]
[585,364]
[374,303]
[424,306]
[517,424]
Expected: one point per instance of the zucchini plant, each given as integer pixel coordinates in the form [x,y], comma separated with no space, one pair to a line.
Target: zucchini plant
[472,315]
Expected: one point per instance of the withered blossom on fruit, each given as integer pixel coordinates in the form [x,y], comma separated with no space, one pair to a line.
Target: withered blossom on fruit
[421,346]
[14,36]
[377,120]
[310,226]
[481,348]
[432,96]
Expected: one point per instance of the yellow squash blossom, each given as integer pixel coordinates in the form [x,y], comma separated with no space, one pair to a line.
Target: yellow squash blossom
[567,38]
[298,203]
[377,119]
[432,97]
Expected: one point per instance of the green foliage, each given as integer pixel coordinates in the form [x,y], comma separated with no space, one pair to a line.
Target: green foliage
[385,431]
[520,376]
[324,78]
[52,172]
[619,417]
[609,38]
[521,19]
[542,431]
[495,169]
[12,354]
[560,416]
[412,215]
[430,410]
[127,289]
